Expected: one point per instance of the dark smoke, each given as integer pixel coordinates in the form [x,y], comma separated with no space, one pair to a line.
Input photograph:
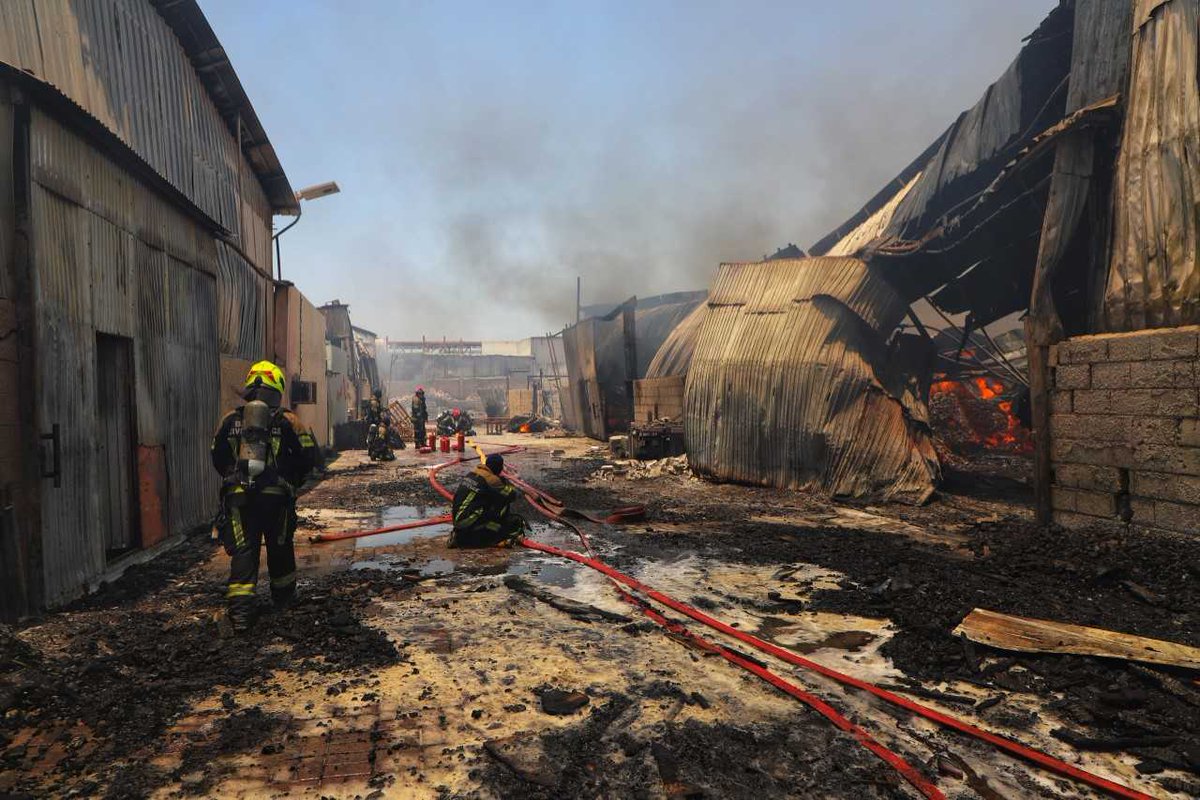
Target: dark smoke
[749,150]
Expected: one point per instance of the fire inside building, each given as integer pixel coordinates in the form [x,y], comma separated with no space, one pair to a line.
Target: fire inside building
[909,512]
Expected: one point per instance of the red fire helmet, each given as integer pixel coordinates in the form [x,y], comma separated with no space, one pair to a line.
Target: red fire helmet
[455,413]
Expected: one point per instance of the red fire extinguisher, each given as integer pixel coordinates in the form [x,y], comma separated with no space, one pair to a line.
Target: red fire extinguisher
[445,443]
[460,442]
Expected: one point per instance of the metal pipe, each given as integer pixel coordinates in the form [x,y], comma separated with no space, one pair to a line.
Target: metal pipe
[275,239]
[1017,376]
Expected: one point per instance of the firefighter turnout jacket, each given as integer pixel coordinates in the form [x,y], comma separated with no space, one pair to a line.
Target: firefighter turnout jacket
[482,510]
[292,452]
[262,509]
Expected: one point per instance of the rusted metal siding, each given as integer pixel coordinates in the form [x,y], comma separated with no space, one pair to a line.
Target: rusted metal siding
[122,63]
[243,293]
[787,383]
[1154,275]
[111,257]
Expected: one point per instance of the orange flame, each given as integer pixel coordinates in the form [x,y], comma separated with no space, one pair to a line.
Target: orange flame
[997,430]
[524,428]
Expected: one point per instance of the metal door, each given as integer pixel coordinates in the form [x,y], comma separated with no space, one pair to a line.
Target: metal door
[115,448]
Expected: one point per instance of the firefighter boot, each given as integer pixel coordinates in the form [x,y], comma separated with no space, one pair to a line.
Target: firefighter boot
[239,613]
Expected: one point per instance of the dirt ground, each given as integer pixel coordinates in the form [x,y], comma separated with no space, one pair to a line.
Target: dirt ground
[411,670]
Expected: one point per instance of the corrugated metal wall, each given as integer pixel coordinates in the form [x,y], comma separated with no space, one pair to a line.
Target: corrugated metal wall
[786,383]
[675,354]
[243,294]
[111,257]
[121,62]
[1154,273]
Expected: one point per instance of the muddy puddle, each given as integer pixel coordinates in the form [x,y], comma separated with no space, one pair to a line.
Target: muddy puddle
[399,515]
[545,573]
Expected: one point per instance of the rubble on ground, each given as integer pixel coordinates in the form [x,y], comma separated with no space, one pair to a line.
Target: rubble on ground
[633,470]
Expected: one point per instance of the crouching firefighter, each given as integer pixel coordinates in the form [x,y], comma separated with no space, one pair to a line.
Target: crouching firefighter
[482,508]
[263,453]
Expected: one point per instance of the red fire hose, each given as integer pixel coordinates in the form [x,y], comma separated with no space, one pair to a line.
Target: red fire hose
[540,501]
[337,537]
[537,497]
[1021,751]
[1015,748]
[894,760]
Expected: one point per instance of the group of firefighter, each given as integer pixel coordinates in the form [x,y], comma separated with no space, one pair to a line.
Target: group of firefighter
[381,437]
[265,454]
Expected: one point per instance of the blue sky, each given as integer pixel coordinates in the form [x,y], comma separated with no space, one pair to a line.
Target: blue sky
[490,152]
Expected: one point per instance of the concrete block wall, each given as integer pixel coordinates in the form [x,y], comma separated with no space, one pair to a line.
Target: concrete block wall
[1125,430]
[658,398]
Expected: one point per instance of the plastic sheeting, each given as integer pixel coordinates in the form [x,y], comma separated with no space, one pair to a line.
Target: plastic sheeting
[1153,276]
[791,384]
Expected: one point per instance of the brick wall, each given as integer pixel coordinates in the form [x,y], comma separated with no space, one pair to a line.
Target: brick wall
[658,398]
[1125,430]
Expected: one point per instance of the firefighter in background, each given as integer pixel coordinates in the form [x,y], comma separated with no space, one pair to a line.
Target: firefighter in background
[463,422]
[447,422]
[374,413]
[482,508]
[264,453]
[378,441]
[420,415]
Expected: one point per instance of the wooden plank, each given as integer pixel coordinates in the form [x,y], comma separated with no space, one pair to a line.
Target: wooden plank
[1044,636]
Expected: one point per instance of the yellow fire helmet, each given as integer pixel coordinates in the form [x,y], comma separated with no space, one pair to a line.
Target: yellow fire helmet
[266,374]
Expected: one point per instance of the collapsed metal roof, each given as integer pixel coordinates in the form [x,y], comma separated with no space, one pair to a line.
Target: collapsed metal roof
[969,207]
[1069,189]
[793,382]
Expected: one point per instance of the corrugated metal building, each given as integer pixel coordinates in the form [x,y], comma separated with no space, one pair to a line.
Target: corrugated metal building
[299,347]
[1068,191]
[789,385]
[604,355]
[136,194]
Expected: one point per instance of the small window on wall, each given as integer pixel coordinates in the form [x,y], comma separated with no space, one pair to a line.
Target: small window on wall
[304,392]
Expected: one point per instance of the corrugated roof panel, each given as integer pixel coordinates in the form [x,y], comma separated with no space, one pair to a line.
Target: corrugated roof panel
[874,226]
[782,388]
[1154,275]
[121,62]
[675,353]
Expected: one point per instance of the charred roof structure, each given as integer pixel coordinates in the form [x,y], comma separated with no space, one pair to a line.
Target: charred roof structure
[792,382]
[1068,191]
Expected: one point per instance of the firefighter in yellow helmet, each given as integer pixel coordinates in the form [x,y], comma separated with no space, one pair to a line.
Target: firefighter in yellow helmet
[264,453]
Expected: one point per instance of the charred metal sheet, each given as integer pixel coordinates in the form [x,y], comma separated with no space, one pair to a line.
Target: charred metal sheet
[141,272]
[1154,275]
[944,214]
[1099,73]
[789,383]
[179,117]
[605,355]
[675,353]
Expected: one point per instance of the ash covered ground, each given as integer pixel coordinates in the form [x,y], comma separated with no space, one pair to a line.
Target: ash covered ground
[410,670]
